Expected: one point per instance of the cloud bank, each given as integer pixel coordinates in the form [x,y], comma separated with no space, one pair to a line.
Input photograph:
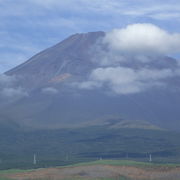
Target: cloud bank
[13,92]
[122,80]
[9,90]
[130,61]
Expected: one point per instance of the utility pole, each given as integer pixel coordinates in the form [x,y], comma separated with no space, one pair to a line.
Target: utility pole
[34,160]
[150,158]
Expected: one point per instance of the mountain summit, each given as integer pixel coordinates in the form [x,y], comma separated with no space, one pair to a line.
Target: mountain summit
[83,81]
[69,57]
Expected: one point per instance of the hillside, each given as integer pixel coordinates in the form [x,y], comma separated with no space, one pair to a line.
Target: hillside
[68,146]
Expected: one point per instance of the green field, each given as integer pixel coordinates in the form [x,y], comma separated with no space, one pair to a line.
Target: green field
[126,163]
[120,178]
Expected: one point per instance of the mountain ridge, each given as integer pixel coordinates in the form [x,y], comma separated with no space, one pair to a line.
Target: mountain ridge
[54,98]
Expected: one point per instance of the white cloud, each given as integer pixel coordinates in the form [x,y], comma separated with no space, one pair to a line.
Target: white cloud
[9,90]
[6,81]
[88,84]
[122,80]
[143,39]
[142,43]
[49,90]
[13,92]
[129,58]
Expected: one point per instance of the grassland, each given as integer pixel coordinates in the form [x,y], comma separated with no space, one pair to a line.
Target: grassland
[99,170]
[125,163]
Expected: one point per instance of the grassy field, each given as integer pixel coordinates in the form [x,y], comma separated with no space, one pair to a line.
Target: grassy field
[119,178]
[125,163]
[98,170]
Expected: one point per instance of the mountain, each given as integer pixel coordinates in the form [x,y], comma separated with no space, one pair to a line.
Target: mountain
[70,57]
[50,83]
[80,100]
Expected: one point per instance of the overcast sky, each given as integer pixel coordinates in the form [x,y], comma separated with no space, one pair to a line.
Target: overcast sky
[29,26]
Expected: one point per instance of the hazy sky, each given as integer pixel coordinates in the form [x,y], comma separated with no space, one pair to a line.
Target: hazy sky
[29,26]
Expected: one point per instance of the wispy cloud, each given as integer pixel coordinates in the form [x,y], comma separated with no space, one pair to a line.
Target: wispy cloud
[166,16]
[49,90]
[15,49]
[123,80]
[13,93]
[9,91]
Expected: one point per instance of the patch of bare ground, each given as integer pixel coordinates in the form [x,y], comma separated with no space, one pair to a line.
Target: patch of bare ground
[101,171]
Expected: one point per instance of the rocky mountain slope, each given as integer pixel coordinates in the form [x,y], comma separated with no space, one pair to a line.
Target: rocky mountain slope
[63,86]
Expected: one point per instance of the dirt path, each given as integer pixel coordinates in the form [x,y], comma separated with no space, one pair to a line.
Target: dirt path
[96,171]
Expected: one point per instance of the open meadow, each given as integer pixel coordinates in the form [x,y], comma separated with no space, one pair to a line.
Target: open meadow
[99,170]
